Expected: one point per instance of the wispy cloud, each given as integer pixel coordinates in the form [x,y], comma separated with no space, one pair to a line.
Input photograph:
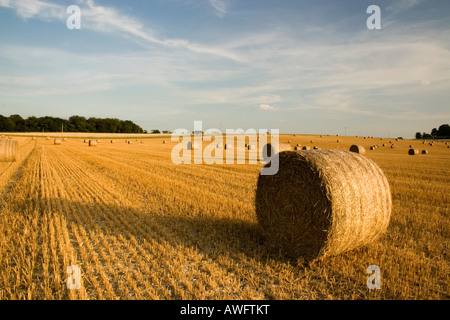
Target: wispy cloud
[108,19]
[267,107]
[220,6]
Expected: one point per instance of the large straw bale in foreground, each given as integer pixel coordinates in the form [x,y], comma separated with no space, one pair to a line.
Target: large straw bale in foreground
[322,203]
[8,150]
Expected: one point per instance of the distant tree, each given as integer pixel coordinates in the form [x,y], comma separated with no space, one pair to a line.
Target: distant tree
[418,135]
[74,124]
[434,132]
[5,124]
[444,131]
[426,136]
[155,131]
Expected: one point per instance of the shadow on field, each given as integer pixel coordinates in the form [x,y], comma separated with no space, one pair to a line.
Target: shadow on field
[210,236]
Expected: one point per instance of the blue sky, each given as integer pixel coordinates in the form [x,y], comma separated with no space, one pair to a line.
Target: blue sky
[297,66]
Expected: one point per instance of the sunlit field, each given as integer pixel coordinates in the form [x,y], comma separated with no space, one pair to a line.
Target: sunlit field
[140,227]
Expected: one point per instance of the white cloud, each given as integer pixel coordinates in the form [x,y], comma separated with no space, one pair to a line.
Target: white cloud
[267,107]
[220,7]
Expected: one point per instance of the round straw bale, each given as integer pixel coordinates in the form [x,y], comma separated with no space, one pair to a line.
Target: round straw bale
[312,141]
[298,145]
[338,141]
[289,141]
[269,149]
[219,145]
[85,141]
[48,138]
[424,151]
[393,146]
[92,143]
[251,147]
[358,149]
[322,203]
[57,141]
[113,141]
[298,148]
[316,148]
[130,142]
[142,141]
[228,146]
[384,144]
[164,141]
[411,146]
[192,145]
[372,148]
[8,150]
[33,138]
[412,151]
[306,148]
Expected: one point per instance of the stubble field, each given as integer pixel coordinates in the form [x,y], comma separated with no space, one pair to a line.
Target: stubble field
[140,227]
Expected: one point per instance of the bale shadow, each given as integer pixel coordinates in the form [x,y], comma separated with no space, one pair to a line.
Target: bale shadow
[211,236]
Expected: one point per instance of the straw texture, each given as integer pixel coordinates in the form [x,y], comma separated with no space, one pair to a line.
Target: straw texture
[8,150]
[322,203]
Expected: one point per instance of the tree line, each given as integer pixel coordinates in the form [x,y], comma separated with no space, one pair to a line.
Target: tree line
[443,132]
[15,123]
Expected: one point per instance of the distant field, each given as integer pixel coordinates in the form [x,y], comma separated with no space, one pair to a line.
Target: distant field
[141,227]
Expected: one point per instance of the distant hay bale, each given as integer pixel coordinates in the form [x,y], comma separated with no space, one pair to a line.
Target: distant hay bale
[424,151]
[338,141]
[192,146]
[298,148]
[393,146]
[48,138]
[85,141]
[113,141]
[92,143]
[289,141]
[8,150]
[396,139]
[219,145]
[164,141]
[306,148]
[411,146]
[130,142]
[372,148]
[312,141]
[57,141]
[316,148]
[384,144]
[298,145]
[33,138]
[142,141]
[269,149]
[413,152]
[228,146]
[358,149]
[251,147]
[323,203]
[321,136]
